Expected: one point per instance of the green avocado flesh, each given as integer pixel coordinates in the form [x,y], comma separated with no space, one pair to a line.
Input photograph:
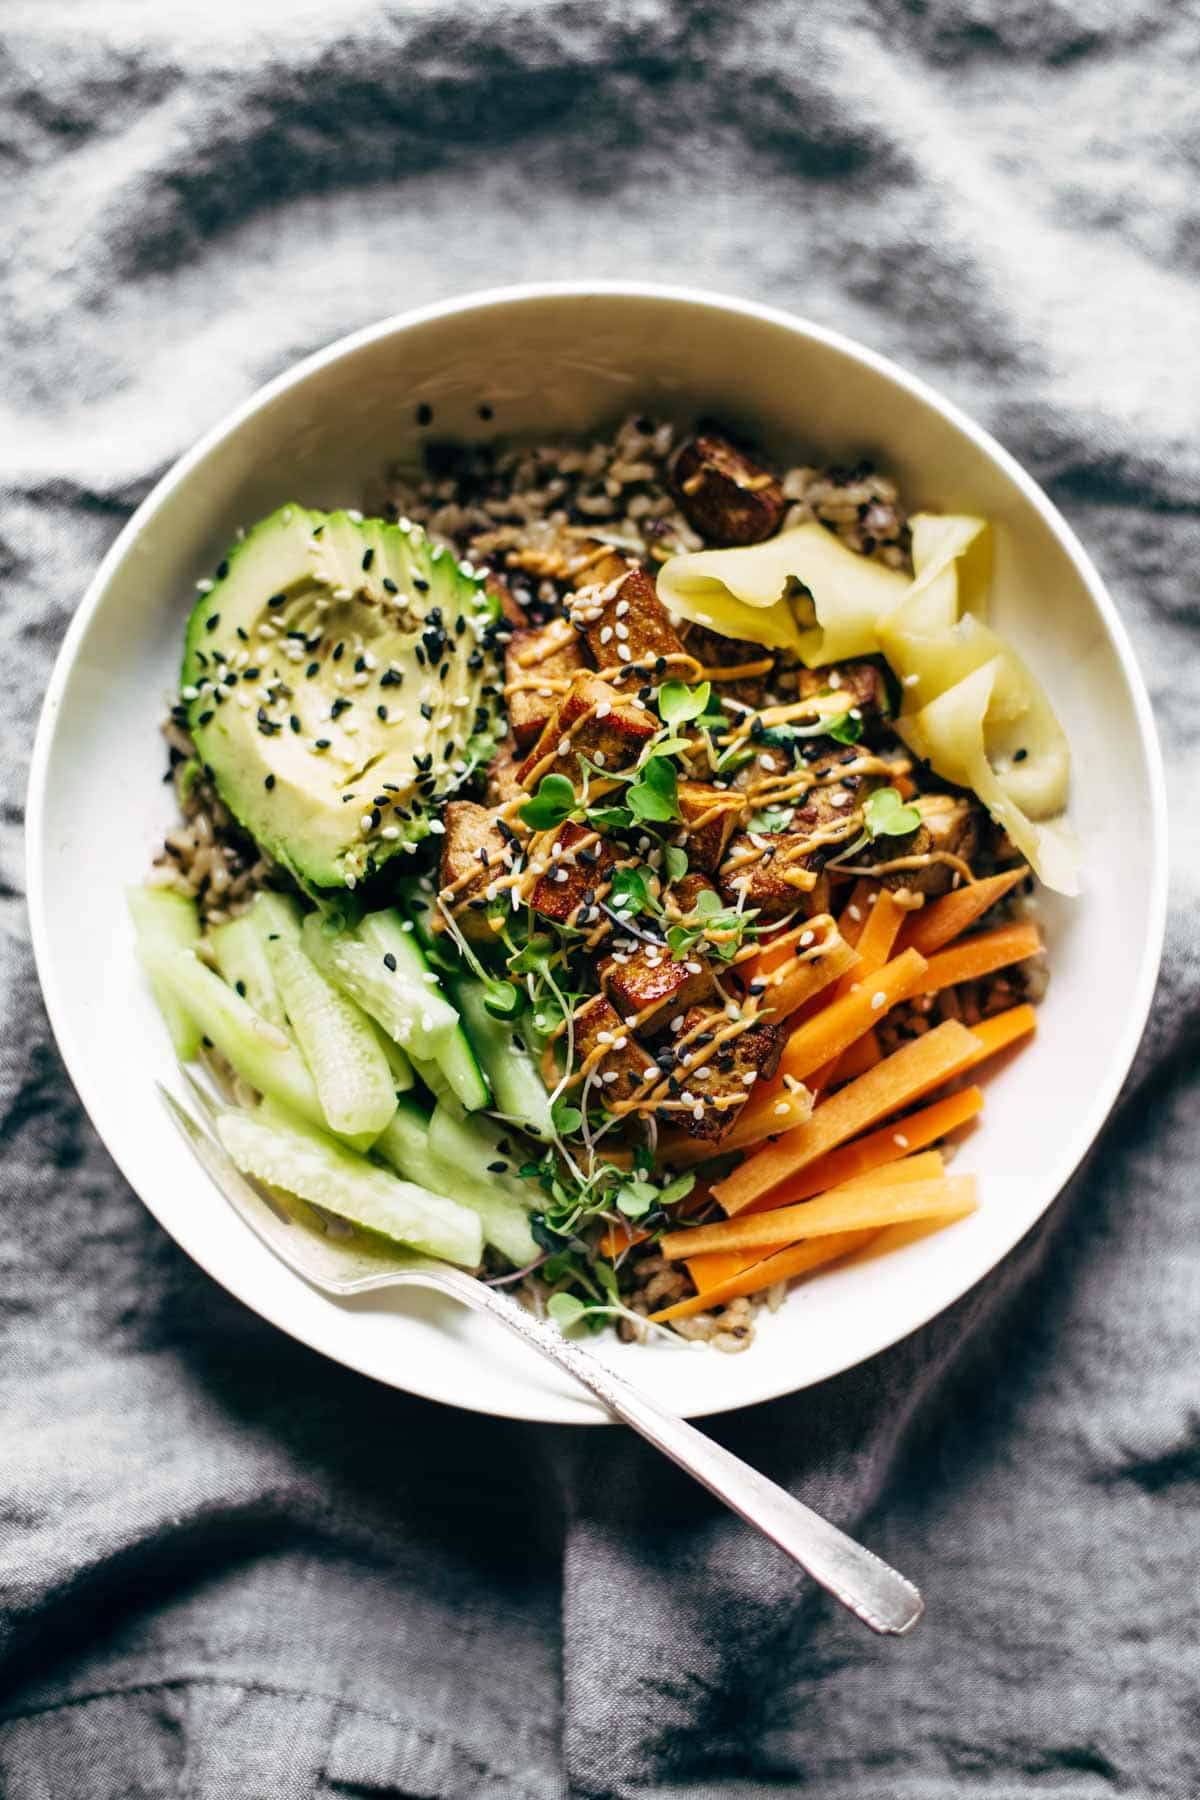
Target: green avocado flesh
[340,681]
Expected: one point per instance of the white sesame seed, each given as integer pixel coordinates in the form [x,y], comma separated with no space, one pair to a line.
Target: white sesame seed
[806,937]
[372,662]
[835,680]
[841,799]
[365,821]
[360,680]
[694,968]
[911,680]
[189,693]
[599,758]
[342,593]
[622,607]
[542,694]
[878,1000]
[604,1037]
[609,1075]
[437,827]
[702,1075]
[698,1111]
[766,762]
[732,1011]
[620,1043]
[392,832]
[606,632]
[899,1139]
[780,1107]
[624,652]
[749,1078]
[604,708]
[205,586]
[650,1074]
[564,744]
[689,1099]
[855,912]
[622,632]
[562,876]
[677,1022]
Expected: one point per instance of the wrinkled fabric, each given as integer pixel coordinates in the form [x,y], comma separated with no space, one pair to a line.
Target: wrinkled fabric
[230,1569]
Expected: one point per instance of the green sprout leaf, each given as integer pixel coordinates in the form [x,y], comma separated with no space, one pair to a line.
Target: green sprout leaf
[535,955]
[844,729]
[676,862]
[566,1118]
[885,814]
[654,799]
[678,703]
[553,802]
[502,1000]
[566,1310]
[675,1190]
[635,1198]
[631,894]
[610,818]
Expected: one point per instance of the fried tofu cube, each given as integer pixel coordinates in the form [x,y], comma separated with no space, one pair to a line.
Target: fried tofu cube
[723,495]
[684,894]
[709,815]
[606,1050]
[474,853]
[502,783]
[593,718]
[861,685]
[776,880]
[627,626]
[717,654]
[720,1097]
[538,665]
[577,866]
[949,823]
[647,985]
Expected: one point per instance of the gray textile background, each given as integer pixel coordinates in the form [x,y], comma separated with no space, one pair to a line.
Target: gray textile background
[229,1570]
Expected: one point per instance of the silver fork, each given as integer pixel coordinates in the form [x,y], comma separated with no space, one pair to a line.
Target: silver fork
[351,1264]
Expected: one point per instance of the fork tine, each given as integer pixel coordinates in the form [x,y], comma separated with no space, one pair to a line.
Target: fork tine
[200,1094]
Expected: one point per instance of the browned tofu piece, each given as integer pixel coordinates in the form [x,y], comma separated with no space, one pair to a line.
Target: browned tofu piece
[709,815]
[950,823]
[684,894]
[859,685]
[722,1095]
[473,854]
[717,654]
[607,1050]
[647,986]
[591,717]
[626,625]
[723,495]
[777,879]
[538,663]
[573,876]
[767,764]
[502,783]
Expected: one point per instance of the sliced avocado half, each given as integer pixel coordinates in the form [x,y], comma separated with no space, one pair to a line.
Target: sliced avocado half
[340,679]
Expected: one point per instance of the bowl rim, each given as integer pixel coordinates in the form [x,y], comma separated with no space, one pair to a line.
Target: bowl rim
[1087,1128]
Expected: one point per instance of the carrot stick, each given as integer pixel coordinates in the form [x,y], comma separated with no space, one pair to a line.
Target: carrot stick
[837,1025]
[713,1266]
[858,1208]
[980,955]
[879,933]
[853,915]
[777,950]
[911,1070]
[943,920]
[759,1272]
[860,1057]
[888,1145]
[790,985]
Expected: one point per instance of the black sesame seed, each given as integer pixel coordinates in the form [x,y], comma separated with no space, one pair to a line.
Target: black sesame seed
[389,585]
[360,667]
[426,710]
[460,625]
[475,660]
[338,650]
[368,558]
[242,634]
[269,783]
[241,988]
[381,712]
[311,670]
[211,623]
[321,744]
[340,705]
[389,962]
[277,600]
[424,414]
[419,654]
[205,717]
[294,722]
[497,1168]
[420,583]
[1020,755]
[443,671]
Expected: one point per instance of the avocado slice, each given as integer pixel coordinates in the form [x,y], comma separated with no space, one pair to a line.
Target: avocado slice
[341,679]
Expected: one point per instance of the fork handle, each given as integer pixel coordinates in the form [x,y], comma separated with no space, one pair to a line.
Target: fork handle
[864,1583]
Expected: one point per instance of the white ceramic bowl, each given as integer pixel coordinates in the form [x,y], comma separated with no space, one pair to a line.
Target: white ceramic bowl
[562,359]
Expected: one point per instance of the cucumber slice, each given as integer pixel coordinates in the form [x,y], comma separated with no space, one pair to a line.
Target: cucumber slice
[389,935]
[410,1012]
[403,1074]
[405,1143]
[261,1053]
[517,1087]
[166,921]
[460,1154]
[288,1154]
[337,1040]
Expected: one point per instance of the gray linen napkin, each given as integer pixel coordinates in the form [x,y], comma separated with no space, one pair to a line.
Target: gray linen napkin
[228,1569]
